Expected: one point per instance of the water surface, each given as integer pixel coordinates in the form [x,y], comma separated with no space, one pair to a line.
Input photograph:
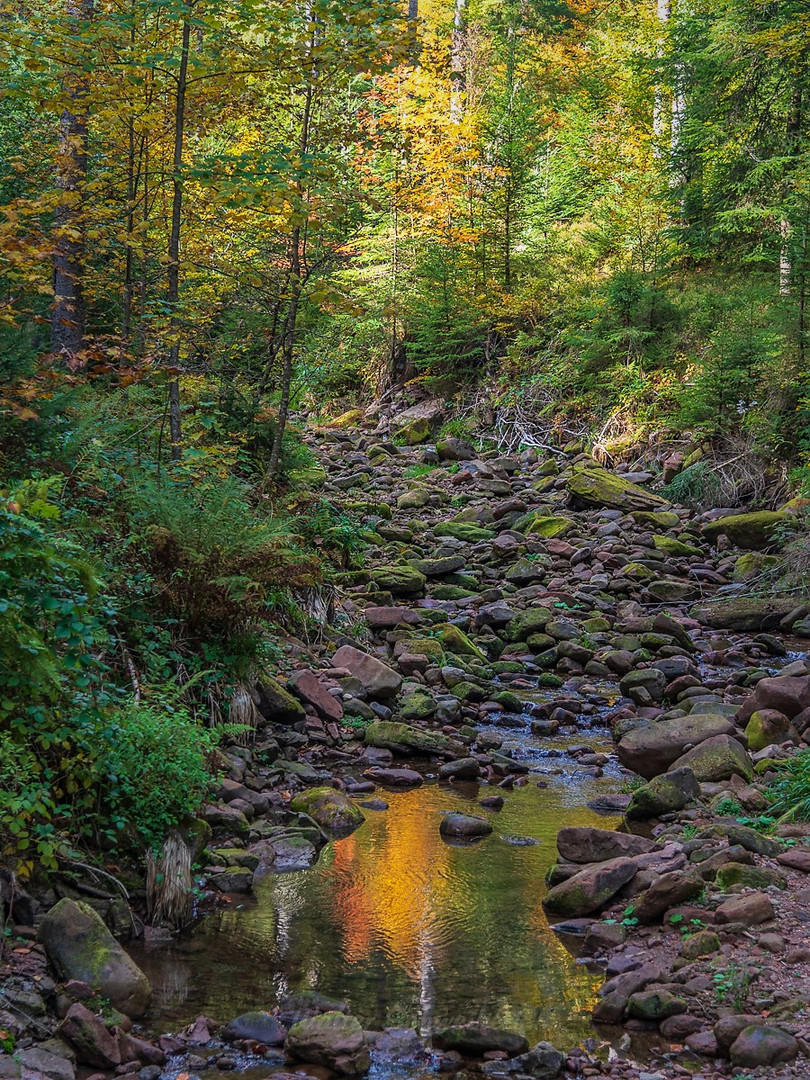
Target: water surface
[404,927]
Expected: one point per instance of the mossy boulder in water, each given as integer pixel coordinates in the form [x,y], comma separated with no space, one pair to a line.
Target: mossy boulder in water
[753,531]
[405,740]
[331,809]
[81,947]
[475,1040]
[589,485]
[331,1039]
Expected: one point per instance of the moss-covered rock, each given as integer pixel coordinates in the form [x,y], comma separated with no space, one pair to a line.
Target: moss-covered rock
[417,705]
[529,622]
[590,889]
[767,726]
[331,1039]
[751,564]
[550,527]
[753,531]
[406,741]
[277,704]
[81,947]
[656,519]
[456,641]
[348,419]
[754,877]
[589,485]
[414,499]
[415,432]
[663,795]
[462,530]
[744,613]
[715,759]
[310,476]
[399,580]
[330,808]
[670,546]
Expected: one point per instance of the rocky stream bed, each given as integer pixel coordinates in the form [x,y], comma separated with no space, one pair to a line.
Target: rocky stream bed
[548,699]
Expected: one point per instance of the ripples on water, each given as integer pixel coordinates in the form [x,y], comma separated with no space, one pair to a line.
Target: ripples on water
[404,927]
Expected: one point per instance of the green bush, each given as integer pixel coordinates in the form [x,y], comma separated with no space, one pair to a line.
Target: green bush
[156,764]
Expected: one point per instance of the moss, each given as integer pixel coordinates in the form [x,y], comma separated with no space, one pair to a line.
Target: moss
[753,531]
[461,530]
[417,431]
[671,546]
[331,809]
[589,485]
[456,641]
[550,527]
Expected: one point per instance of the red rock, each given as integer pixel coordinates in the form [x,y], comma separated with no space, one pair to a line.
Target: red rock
[311,690]
[749,909]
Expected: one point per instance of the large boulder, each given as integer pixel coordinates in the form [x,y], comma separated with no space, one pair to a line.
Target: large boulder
[464,826]
[331,809]
[590,889]
[475,1040]
[399,580]
[666,892]
[407,741]
[768,726]
[81,947]
[761,1044]
[787,694]
[651,750]
[332,1039]
[663,794]
[542,1062]
[277,704]
[261,1027]
[589,485]
[751,531]
[716,759]
[379,680]
[745,613]
[586,844]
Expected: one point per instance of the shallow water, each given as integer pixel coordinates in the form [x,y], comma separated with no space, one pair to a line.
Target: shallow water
[404,927]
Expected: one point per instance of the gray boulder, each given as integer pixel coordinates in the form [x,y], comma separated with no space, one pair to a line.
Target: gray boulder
[81,947]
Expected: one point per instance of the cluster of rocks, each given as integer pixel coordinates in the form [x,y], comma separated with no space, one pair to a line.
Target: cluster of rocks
[492,588]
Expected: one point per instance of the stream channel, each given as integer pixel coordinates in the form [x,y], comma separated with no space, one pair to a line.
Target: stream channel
[408,929]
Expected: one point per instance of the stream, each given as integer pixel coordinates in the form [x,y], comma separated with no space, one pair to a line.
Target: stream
[405,928]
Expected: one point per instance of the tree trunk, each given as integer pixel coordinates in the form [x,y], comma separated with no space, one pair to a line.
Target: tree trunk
[68,312]
[173,290]
[793,132]
[457,60]
[413,33]
[296,278]
[659,112]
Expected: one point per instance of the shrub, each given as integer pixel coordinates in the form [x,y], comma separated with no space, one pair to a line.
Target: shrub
[156,761]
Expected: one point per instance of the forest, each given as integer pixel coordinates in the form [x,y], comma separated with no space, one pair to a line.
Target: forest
[240,238]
